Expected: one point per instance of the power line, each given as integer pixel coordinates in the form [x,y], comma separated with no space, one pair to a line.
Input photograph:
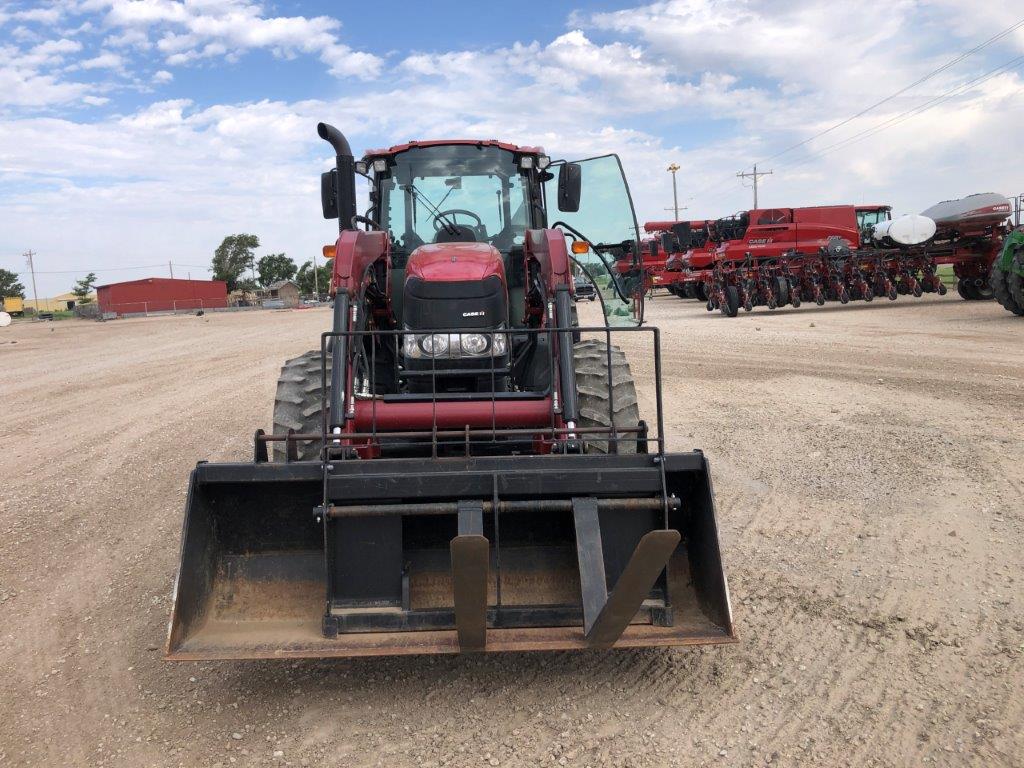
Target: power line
[914,112]
[116,269]
[889,122]
[708,193]
[952,62]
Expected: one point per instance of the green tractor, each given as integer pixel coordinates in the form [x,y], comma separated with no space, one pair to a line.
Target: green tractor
[1007,275]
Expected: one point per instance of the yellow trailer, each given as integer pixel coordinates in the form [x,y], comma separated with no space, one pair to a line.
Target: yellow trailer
[13,305]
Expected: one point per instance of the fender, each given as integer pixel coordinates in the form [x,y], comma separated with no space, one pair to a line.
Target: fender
[354,252]
[547,248]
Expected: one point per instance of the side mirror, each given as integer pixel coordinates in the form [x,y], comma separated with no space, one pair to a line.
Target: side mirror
[570,178]
[329,194]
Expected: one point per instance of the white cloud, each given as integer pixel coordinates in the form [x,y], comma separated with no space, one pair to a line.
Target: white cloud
[105,60]
[27,88]
[24,81]
[162,76]
[49,15]
[24,34]
[95,101]
[49,52]
[129,38]
[187,32]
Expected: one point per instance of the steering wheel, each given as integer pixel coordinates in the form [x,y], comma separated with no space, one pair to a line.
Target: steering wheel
[439,218]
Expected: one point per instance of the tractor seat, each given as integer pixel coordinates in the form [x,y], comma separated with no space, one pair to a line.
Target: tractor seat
[462,234]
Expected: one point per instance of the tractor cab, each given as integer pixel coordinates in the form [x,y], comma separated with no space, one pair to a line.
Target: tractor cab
[469,205]
[869,217]
[458,282]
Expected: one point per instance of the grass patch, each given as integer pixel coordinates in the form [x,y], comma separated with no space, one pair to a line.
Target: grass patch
[946,275]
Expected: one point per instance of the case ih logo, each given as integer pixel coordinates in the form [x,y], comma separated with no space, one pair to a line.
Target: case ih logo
[759,241]
[479,313]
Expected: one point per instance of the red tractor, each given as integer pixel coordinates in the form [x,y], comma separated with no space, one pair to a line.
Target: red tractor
[460,465]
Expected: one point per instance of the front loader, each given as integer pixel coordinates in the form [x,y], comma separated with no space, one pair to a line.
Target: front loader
[460,464]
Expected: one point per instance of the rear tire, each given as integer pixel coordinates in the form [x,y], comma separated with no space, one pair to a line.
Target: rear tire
[591,359]
[297,403]
[1016,282]
[999,282]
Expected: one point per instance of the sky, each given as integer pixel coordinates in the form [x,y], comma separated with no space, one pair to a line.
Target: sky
[139,132]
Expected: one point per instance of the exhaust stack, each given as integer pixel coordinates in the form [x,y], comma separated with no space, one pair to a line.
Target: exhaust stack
[345,184]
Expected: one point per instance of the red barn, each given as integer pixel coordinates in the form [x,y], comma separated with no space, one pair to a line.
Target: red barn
[161,294]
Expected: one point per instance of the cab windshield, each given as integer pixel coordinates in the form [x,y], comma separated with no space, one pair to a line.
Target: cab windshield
[866,219]
[454,193]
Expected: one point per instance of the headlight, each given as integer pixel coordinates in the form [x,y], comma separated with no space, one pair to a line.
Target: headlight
[435,345]
[454,345]
[410,345]
[474,343]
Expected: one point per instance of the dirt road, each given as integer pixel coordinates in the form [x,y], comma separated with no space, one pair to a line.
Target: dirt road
[869,466]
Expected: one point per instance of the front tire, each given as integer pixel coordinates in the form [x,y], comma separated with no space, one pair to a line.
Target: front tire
[592,376]
[731,306]
[297,403]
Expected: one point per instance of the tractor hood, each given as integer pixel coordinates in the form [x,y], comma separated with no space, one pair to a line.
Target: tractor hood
[455,262]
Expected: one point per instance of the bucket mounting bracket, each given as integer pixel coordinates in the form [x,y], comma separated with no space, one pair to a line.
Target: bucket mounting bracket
[470,552]
[605,617]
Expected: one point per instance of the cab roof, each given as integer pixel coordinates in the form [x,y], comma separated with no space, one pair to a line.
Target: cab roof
[398,148]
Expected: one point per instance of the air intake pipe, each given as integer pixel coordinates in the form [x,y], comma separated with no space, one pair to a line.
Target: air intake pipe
[345,184]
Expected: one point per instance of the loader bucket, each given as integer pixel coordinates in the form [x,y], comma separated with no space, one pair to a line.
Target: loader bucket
[410,555]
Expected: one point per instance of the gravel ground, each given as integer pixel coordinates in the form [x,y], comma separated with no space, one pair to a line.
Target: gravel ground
[868,466]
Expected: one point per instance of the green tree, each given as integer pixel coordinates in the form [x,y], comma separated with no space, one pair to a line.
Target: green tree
[305,281]
[84,287]
[274,267]
[9,285]
[233,256]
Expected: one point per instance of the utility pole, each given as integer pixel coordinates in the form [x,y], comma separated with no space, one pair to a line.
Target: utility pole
[316,280]
[754,176]
[171,267]
[32,267]
[675,192]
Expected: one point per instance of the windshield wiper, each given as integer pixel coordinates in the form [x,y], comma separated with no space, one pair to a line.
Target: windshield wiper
[450,226]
